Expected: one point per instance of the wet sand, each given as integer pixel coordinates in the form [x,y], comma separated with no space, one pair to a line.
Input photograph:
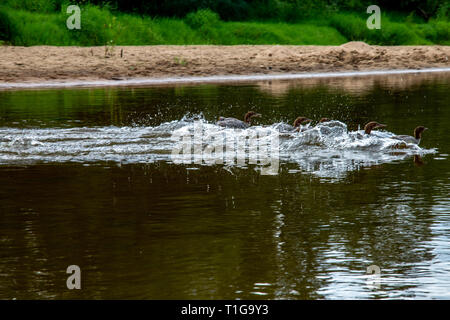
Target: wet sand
[41,64]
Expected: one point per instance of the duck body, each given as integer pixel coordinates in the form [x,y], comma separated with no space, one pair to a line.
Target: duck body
[237,124]
[412,139]
[284,127]
[232,123]
[407,139]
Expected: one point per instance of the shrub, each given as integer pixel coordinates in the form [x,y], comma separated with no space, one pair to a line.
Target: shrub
[350,26]
[237,10]
[437,31]
[6,25]
[395,34]
[46,6]
[96,26]
[391,33]
[443,11]
[202,18]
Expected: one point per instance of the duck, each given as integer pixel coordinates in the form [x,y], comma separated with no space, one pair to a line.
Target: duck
[238,124]
[412,139]
[301,120]
[283,127]
[373,125]
[324,130]
[368,129]
[323,120]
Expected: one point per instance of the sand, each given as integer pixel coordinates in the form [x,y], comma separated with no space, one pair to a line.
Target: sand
[63,64]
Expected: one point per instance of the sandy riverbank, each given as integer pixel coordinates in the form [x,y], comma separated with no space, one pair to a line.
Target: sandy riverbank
[46,63]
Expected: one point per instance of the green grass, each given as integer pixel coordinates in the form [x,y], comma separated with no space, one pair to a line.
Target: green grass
[391,32]
[100,26]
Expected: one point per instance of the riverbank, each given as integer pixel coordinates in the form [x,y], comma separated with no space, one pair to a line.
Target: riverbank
[63,64]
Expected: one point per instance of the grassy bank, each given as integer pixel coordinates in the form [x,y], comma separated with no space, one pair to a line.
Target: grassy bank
[101,26]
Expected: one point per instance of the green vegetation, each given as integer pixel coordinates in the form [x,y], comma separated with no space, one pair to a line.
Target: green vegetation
[43,22]
[392,32]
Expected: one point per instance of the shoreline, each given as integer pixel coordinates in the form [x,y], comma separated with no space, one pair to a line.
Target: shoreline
[212,79]
[47,66]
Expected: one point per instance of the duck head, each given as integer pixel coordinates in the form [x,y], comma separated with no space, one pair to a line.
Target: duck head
[301,120]
[418,131]
[251,114]
[372,125]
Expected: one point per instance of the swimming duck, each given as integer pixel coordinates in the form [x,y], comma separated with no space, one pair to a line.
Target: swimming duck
[238,124]
[283,127]
[324,130]
[298,123]
[368,129]
[372,125]
[409,139]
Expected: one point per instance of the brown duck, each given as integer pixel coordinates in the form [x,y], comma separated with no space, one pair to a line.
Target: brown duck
[238,124]
[412,139]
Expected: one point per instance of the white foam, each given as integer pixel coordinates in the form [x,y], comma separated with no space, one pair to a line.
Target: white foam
[326,150]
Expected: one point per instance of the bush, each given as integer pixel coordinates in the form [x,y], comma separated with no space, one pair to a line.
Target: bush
[350,26]
[237,10]
[6,26]
[394,34]
[391,33]
[101,26]
[202,18]
[444,11]
[43,6]
[436,31]
[96,26]
[442,31]
[37,29]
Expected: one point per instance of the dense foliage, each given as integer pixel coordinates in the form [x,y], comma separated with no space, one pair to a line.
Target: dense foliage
[284,10]
[244,10]
[32,22]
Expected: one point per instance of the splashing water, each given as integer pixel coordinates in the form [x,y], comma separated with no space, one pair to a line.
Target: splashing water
[326,150]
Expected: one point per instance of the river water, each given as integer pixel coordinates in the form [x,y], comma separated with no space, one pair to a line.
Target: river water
[96,177]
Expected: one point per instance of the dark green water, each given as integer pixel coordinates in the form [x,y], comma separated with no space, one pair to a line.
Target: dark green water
[158,230]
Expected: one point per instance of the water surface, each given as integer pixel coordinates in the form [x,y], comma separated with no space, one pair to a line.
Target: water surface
[87,178]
